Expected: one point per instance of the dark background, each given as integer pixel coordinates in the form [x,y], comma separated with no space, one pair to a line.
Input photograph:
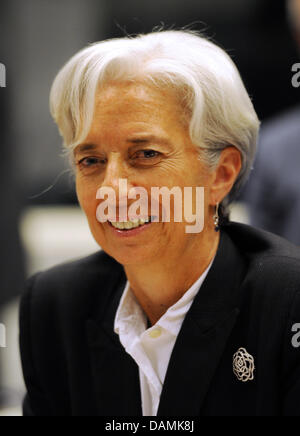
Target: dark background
[38,36]
[41,35]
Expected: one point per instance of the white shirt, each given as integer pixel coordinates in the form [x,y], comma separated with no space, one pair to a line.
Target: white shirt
[152,348]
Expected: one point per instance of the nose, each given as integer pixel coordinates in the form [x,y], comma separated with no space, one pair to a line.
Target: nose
[117,177]
[115,170]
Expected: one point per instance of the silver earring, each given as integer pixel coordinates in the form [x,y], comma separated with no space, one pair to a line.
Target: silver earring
[217,219]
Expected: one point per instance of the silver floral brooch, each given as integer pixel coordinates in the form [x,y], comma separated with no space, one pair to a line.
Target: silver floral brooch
[243,365]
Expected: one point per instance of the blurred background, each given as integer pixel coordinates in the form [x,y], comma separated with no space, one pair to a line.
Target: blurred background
[40,220]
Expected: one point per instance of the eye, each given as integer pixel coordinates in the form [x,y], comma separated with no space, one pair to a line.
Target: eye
[146,154]
[89,162]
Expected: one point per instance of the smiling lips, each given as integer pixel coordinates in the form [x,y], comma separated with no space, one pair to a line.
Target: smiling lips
[129,225]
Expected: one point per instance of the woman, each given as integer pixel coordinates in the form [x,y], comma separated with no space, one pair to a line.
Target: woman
[162,321]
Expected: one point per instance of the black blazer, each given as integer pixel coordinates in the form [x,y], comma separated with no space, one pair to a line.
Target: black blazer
[74,363]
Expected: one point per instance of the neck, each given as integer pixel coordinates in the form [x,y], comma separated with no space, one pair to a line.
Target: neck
[160,284]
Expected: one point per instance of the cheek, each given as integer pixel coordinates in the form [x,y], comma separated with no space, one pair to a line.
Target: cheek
[87,198]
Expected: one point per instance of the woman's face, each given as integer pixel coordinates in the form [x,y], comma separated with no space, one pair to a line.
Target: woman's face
[138,134]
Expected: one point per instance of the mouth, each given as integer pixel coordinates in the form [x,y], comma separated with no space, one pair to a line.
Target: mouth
[131,228]
[133,224]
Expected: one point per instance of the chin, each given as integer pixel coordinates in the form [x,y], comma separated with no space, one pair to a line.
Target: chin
[131,256]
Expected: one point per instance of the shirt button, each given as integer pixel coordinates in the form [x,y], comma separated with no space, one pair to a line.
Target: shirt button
[155,333]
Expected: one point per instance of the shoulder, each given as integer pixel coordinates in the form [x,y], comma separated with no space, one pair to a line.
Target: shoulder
[75,273]
[260,243]
[55,308]
[72,287]
[273,263]
[262,247]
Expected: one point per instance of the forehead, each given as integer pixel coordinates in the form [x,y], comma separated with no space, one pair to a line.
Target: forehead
[110,91]
[136,106]
[137,98]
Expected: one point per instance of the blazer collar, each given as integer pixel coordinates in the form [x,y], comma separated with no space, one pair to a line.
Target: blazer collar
[204,335]
[197,352]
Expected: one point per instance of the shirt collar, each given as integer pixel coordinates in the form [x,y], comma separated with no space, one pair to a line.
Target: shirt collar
[129,313]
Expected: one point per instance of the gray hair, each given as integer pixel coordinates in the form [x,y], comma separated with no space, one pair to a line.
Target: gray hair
[212,93]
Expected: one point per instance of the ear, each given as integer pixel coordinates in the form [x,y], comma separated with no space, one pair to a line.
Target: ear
[225,175]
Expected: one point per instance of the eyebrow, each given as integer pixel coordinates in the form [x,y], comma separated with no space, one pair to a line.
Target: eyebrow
[85,147]
[150,139]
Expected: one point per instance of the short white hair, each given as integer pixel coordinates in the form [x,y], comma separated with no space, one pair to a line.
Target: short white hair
[207,81]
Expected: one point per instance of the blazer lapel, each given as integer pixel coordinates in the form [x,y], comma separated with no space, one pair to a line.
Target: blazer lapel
[115,374]
[204,335]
